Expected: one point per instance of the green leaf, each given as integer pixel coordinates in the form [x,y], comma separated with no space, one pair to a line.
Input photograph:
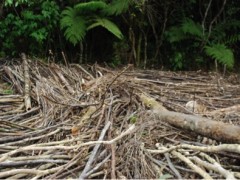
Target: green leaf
[39,35]
[74,25]
[221,53]
[28,15]
[90,7]
[191,27]
[117,7]
[107,24]
[175,34]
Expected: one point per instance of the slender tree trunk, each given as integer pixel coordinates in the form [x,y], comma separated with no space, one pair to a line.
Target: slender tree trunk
[133,46]
[145,50]
[139,48]
[81,53]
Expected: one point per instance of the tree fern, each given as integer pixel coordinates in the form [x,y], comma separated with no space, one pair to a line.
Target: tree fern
[221,53]
[84,16]
[74,25]
[109,25]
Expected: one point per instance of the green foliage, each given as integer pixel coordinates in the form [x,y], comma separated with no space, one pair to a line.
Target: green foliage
[133,119]
[90,7]
[107,24]
[233,39]
[15,3]
[117,7]
[215,47]
[189,27]
[29,28]
[82,17]
[75,25]
[177,61]
[8,91]
[175,34]
[221,53]
[120,53]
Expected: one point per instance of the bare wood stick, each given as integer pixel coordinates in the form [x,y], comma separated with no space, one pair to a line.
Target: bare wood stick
[64,81]
[31,162]
[11,98]
[27,171]
[234,148]
[36,133]
[65,59]
[170,164]
[113,162]
[85,71]
[3,157]
[11,75]
[27,97]
[30,139]
[83,175]
[30,148]
[215,167]
[235,108]
[98,166]
[197,169]
[50,156]
[130,130]
[204,126]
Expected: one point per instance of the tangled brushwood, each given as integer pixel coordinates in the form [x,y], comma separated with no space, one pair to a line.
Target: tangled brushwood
[73,121]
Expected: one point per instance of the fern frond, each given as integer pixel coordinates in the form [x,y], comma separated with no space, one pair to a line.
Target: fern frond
[117,7]
[107,24]
[221,53]
[190,27]
[233,39]
[90,7]
[74,25]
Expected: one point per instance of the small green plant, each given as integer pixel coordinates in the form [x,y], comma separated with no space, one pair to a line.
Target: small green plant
[8,91]
[5,88]
[133,119]
[177,61]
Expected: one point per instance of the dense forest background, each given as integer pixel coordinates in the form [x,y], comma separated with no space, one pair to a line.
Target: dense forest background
[166,34]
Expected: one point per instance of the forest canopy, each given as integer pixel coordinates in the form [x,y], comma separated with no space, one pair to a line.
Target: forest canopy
[177,35]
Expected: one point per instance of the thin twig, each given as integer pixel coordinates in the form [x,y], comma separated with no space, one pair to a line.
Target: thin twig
[83,175]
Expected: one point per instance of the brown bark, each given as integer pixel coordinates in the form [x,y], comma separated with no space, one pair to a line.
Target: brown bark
[213,129]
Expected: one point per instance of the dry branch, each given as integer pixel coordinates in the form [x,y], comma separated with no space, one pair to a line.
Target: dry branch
[83,175]
[27,85]
[206,127]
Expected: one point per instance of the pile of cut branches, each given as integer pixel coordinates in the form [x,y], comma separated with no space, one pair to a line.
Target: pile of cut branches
[70,121]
